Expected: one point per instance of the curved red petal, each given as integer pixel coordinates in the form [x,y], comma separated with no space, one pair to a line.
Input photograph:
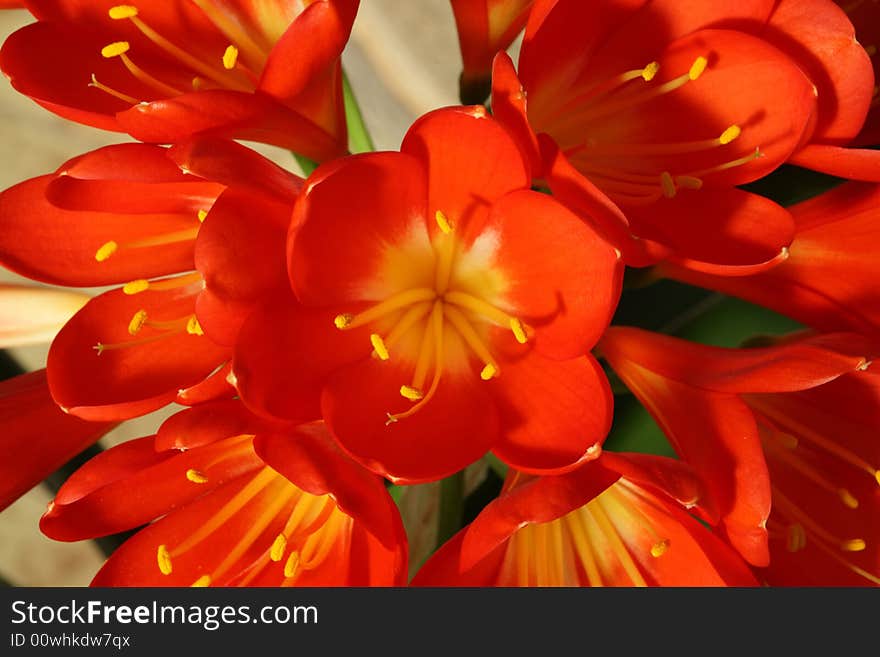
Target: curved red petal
[509,107]
[852,163]
[206,423]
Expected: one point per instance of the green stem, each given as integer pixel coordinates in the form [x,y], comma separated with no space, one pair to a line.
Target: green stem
[306,164]
[450,516]
[359,140]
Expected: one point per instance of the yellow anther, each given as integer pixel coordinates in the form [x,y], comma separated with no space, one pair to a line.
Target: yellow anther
[877,476]
[659,548]
[163,557]
[193,327]
[342,321]
[137,322]
[201,582]
[698,67]
[106,251]
[379,345]
[279,545]
[196,477]
[730,134]
[489,372]
[230,57]
[853,545]
[196,83]
[443,222]
[650,71]
[203,214]
[848,498]
[689,182]
[115,49]
[519,330]
[120,12]
[667,184]
[411,393]
[136,287]
[292,564]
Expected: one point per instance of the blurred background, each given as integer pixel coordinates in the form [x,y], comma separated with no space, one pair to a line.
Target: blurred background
[402,60]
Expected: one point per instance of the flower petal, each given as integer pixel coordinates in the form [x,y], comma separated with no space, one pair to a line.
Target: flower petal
[851,163]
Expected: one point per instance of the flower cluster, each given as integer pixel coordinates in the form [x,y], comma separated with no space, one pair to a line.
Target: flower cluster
[397,317]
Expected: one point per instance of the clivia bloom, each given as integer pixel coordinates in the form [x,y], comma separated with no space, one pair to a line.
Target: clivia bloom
[167,70]
[485,27]
[703,398]
[129,215]
[829,280]
[440,309]
[229,508]
[647,114]
[620,520]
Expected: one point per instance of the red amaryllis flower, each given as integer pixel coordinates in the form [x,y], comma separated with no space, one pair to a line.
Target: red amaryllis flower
[167,70]
[823,454]
[695,393]
[131,214]
[663,107]
[829,280]
[484,28]
[38,437]
[616,521]
[283,508]
[441,309]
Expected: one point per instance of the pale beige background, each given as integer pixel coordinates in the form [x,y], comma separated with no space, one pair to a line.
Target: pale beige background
[403,60]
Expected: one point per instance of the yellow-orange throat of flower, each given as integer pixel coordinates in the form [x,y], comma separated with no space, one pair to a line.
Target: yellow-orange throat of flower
[441,316]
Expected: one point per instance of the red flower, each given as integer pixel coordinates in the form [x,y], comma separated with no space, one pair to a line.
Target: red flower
[484,28]
[166,70]
[616,521]
[442,310]
[695,393]
[663,107]
[37,438]
[130,214]
[226,508]
[829,280]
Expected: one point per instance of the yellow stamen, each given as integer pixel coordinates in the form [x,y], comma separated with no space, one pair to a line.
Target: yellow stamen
[163,557]
[667,185]
[688,182]
[396,302]
[203,214]
[115,49]
[230,57]
[410,318]
[292,565]
[730,134]
[136,287]
[106,250]
[196,477]
[659,548]
[596,508]
[125,98]
[379,346]
[582,546]
[848,498]
[443,222]
[650,71]
[477,305]
[137,322]
[201,582]
[279,546]
[698,67]
[853,545]
[461,324]
[489,372]
[436,333]
[122,11]
[413,394]
[343,321]
[519,330]
[193,327]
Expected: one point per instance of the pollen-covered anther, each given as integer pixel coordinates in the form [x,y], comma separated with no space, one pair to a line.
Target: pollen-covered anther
[106,250]
[230,57]
[163,558]
[848,498]
[279,547]
[659,548]
[120,12]
[443,222]
[698,67]
[196,476]
[202,582]
[667,184]
[115,49]
[853,545]
[291,566]
[519,330]
[730,134]
[379,346]
[343,321]
[202,215]
[136,287]
[137,322]
[650,71]
[490,371]
[411,393]
[193,327]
